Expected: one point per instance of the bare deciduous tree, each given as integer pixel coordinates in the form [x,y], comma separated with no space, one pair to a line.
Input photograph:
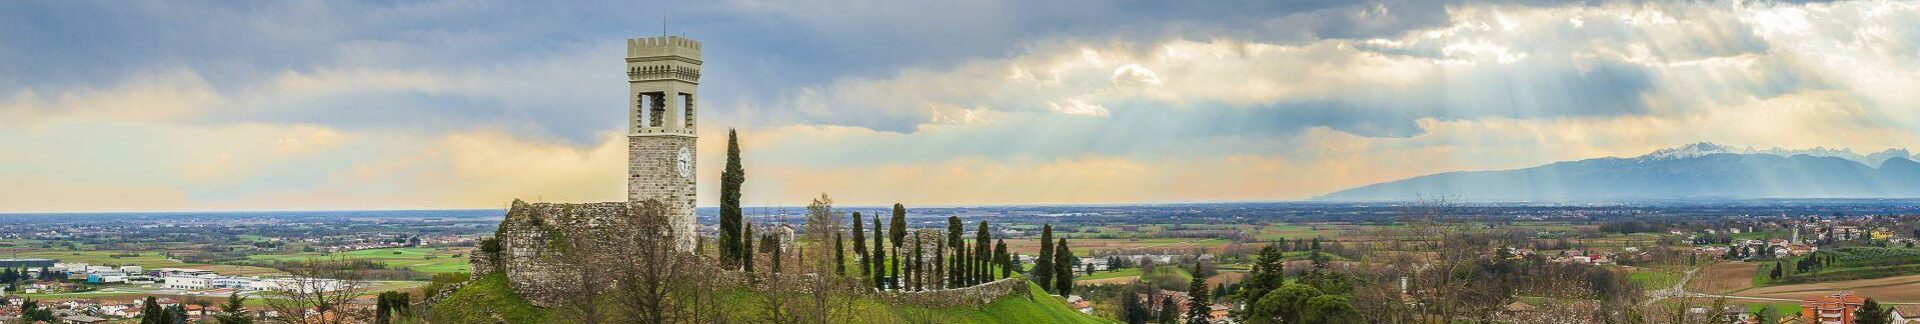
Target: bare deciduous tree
[650,266]
[317,292]
[583,296]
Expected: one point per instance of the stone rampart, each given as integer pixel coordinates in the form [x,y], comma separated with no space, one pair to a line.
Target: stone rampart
[536,242]
[968,297]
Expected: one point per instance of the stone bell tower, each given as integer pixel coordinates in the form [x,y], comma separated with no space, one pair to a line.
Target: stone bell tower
[662,74]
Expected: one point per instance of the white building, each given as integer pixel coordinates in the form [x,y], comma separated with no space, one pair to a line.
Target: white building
[189,283]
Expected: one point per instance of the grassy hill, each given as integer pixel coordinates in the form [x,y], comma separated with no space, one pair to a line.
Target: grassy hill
[490,299]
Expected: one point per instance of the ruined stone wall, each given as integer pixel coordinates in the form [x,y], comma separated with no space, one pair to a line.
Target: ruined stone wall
[968,297]
[483,263]
[536,243]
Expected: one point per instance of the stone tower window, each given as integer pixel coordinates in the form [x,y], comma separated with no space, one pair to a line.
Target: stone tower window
[653,108]
[686,108]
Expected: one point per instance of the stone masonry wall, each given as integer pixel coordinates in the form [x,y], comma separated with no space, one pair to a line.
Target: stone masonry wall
[653,173]
[536,239]
[968,297]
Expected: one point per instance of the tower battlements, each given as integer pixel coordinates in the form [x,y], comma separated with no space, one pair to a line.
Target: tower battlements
[661,47]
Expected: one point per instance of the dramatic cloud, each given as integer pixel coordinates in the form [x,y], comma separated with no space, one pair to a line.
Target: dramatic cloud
[449,104]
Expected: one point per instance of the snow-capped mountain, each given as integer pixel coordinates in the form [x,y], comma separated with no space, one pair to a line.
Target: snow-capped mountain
[1706,148]
[1699,170]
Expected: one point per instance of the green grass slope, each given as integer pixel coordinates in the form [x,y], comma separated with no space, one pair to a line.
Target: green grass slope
[482,300]
[1036,307]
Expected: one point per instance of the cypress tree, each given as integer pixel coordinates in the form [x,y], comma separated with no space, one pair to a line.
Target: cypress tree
[839,255]
[151,313]
[1168,312]
[983,254]
[939,266]
[899,225]
[916,271]
[966,265]
[1062,268]
[1043,266]
[860,244]
[775,247]
[953,241]
[730,216]
[879,255]
[1000,258]
[893,280]
[746,247]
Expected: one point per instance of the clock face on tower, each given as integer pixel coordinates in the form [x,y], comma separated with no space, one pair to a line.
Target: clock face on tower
[685,162]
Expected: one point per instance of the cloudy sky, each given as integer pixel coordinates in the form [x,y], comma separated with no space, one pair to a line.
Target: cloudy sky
[177,105]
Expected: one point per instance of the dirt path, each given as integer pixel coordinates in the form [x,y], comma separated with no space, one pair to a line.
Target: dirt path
[1679,289]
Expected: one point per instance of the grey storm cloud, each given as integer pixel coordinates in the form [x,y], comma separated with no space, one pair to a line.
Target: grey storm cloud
[763,50]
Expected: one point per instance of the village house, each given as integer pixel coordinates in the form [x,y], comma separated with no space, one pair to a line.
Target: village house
[1834,309]
[1080,304]
[1153,301]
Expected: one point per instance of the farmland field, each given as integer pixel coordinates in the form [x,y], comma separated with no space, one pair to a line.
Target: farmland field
[429,260]
[1901,289]
[1723,277]
[148,260]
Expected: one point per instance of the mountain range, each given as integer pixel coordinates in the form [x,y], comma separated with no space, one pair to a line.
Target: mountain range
[1693,171]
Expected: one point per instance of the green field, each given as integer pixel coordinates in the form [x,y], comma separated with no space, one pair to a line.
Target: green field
[1653,279]
[428,260]
[147,260]
[1845,263]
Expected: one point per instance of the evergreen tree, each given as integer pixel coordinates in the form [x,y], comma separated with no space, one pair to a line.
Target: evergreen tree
[1063,268]
[983,253]
[151,313]
[897,228]
[234,311]
[387,306]
[1197,296]
[775,248]
[1132,310]
[966,265]
[1000,259]
[939,273]
[915,272]
[175,314]
[731,238]
[899,225]
[953,241]
[839,255]
[1043,265]
[860,245]
[879,256]
[746,247]
[1337,309]
[30,311]
[1268,273]
[894,279]
[1168,312]
[1870,312]
[1286,305]
[1013,261]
